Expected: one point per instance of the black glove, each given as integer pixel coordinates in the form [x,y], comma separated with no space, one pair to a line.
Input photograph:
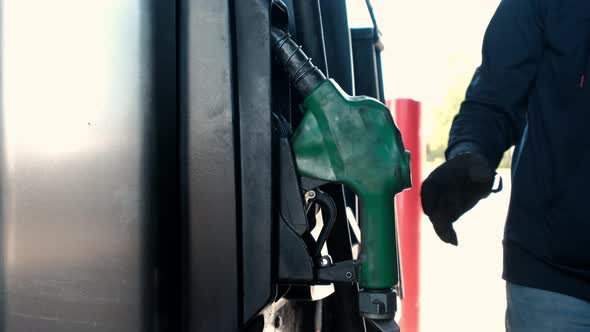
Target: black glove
[453,189]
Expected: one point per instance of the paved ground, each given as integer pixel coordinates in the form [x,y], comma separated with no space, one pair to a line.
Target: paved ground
[462,289]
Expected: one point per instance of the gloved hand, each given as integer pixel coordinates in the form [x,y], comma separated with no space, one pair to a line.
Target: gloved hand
[453,189]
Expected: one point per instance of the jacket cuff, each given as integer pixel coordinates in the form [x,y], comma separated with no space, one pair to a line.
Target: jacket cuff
[463,147]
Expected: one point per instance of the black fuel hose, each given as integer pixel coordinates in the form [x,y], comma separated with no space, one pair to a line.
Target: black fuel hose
[304,75]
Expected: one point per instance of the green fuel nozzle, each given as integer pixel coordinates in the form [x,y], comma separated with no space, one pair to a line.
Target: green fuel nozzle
[352,141]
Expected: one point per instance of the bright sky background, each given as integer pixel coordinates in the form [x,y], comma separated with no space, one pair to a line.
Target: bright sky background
[430,45]
[431,48]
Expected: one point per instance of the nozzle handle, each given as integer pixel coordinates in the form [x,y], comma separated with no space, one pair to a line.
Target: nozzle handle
[378,260]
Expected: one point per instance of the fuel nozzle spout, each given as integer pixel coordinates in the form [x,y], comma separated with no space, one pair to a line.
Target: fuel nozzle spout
[304,75]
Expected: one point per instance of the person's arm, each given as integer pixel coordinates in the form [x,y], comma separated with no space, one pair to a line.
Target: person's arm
[492,117]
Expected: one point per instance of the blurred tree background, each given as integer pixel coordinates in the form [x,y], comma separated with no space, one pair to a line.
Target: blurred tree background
[442,117]
[443,113]
[430,56]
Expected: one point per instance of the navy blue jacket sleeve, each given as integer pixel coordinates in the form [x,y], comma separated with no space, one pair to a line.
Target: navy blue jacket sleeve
[492,117]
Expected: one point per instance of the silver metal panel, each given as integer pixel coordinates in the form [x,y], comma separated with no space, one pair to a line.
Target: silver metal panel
[75,90]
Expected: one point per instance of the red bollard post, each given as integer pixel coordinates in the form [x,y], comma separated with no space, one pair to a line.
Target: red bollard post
[409,211]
